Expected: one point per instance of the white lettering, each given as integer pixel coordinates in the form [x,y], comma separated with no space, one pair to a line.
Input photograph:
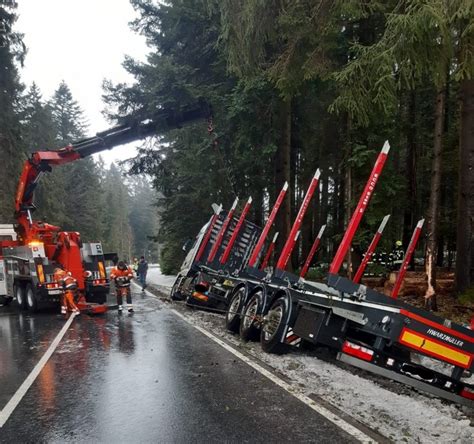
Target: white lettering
[444,337]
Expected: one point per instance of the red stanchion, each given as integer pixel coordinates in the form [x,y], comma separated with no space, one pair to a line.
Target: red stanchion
[315,246]
[291,241]
[359,211]
[208,234]
[406,260]
[271,247]
[220,235]
[261,240]
[225,255]
[370,250]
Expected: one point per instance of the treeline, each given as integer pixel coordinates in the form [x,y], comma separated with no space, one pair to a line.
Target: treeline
[103,204]
[297,85]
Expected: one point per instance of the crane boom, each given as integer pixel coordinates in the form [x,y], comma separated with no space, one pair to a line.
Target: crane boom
[43,161]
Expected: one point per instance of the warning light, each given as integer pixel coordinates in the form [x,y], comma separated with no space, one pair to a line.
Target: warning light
[40,272]
[101,269]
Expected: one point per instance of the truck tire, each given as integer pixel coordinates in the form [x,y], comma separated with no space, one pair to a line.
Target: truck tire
[5,300]
[274,327]
[175,293]
[30,299]
[232,316]
[249,326]
[189,300]
[20,296]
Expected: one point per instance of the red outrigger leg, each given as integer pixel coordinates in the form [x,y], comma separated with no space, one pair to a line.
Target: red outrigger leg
[225,255]
[271,247]
[261,240]
[206,238]
[315,246]
[359,211]
[293,236]
[370,250]
[406,260]
[220,235]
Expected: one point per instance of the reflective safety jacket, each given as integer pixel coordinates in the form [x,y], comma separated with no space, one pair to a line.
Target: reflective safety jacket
[122,277]
[65,279]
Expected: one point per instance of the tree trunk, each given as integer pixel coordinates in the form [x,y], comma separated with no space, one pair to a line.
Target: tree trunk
[410,171]
[298,184]
[433,209]
[258,206]
[282,174]
[440,253]
[348,192]
[348,202]
[465,193]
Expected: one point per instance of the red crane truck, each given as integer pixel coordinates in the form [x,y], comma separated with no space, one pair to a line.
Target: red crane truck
[366,328]
[30,250]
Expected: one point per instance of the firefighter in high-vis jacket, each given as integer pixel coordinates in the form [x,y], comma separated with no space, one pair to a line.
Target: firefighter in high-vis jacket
[69,289]
[122,276]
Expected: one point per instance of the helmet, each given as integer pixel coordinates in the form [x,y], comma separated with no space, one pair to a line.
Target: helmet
[121,265]
[398,243]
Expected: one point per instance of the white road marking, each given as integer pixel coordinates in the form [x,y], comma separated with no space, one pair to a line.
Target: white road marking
[330,416]
[28,382]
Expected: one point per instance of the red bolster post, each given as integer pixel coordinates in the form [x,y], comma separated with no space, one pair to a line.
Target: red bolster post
[261,240]
[225,255]
[406,260]
[291,241]
[220,235]
[206,238]
[271,247]
[315,246]
[359,211]
[371,249]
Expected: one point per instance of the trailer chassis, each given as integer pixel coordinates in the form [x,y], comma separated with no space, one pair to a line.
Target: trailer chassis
[367,329]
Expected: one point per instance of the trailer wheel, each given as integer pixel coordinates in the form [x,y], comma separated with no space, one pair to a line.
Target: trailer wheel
[175,293]
[19,292]
[274,327]
[232,317]
[30,298]
[249,328]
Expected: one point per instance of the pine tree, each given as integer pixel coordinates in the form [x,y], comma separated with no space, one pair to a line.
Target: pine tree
[117,235]
[433,35]
[11,155]
[67,115]
[39,133]
[76,186]
[142,214]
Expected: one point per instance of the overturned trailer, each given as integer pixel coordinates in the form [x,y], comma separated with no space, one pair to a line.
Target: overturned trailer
[366,328]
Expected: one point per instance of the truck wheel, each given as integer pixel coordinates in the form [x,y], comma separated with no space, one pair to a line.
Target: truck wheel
[5,300]
[20,296]
[274,326]
[31,301]
[189,300]
[249,326]
[98,298]
[232,317]
[175,293]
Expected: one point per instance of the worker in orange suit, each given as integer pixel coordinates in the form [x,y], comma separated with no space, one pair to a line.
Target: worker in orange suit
[122,275]
[69,288]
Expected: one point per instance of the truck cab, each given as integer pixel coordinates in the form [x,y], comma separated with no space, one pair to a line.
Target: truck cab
[27,271]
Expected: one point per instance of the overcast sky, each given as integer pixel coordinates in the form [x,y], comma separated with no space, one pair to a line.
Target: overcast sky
[81,42]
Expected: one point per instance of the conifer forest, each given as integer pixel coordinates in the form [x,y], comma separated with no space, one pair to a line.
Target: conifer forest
[294,85]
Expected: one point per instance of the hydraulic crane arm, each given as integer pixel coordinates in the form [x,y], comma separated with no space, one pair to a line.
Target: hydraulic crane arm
[43,161]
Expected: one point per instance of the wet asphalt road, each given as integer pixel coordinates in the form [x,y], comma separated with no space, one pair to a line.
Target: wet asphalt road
[147,377]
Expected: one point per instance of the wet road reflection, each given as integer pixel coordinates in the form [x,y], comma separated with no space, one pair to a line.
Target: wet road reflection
[150,377]
[23,340]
